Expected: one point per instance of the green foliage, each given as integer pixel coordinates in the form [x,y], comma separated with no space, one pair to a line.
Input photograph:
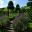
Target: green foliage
[30,14]
[5,10]
[17,8]
[4,20]
[17,26]
[12,15]
[22,10]
[1,13]
[27,19]
[21,24]
[10,5]
[29,4]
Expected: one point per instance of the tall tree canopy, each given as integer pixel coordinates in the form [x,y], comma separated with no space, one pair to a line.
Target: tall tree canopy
[10,5]
[29,4]
[17,7]
[30,11]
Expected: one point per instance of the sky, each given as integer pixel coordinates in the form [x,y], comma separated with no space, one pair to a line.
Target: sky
[4,3]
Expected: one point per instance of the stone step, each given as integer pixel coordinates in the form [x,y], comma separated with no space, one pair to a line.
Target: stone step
[10,30]
[6,27]
[11,27]
[11,21]
[11,24]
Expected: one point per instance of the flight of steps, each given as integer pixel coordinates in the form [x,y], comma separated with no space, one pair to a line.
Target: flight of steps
[11,27]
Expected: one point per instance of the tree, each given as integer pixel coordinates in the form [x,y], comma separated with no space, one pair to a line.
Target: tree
[29,4]
[1,11]
[30,12]
[10,6]
[17,8]
[23,9]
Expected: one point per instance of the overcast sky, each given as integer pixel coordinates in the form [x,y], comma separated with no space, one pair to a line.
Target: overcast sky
[4,3]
